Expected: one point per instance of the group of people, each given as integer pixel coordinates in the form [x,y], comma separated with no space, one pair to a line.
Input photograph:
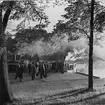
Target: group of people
[39,68]
[35,69]
[58,66]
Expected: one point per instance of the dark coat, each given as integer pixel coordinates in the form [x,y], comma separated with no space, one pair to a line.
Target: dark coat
[42,70]
[33,70]
[19,71]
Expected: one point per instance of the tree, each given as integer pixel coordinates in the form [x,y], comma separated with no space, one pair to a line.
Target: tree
[29,35]
[13,10]
[5,91]
[62,27]
[11,45]
[79,19]
[90,81]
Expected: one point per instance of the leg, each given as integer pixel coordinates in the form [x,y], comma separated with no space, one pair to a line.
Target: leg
[41,75]
[29,70]
[16,76]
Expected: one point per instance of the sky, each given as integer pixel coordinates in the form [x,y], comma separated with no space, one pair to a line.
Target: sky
[54,14]
[102,1]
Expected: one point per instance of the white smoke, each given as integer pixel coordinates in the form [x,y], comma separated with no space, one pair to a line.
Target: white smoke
[42,48]
[99,52]
[61,44]
[81,46]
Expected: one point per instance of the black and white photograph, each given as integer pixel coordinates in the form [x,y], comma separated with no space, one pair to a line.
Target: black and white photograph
[52,52]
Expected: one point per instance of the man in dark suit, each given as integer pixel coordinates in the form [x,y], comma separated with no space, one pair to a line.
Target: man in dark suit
[19,71]
[42,70]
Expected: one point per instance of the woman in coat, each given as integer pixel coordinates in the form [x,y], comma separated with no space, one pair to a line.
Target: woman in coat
[19,71]
[33,71]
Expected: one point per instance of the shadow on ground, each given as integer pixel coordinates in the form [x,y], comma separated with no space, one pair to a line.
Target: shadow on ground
[87,100]
[60,96]
[49,100]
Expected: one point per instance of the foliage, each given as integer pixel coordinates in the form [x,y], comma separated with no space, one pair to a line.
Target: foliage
[29,35]
[27,10]
[62,27]
[78,18]
[11,44]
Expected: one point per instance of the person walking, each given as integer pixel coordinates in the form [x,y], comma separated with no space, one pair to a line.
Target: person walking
[37,68]
[29,67]
[58,66]
[42,70]
[62,67]
[19,72]
[46,69]
[33,71]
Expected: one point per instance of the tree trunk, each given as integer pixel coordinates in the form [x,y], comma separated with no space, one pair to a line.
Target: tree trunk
[5,90]
[90,78]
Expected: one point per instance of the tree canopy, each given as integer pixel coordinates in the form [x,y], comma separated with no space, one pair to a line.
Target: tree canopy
[28,10]
[77,18]
[29,35]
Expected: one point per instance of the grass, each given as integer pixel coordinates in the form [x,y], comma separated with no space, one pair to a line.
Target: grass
[79,96]
[76,97]
[74,91]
